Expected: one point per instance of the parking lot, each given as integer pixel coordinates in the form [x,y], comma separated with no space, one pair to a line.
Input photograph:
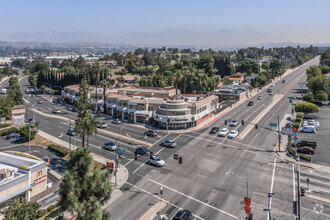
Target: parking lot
[322,137]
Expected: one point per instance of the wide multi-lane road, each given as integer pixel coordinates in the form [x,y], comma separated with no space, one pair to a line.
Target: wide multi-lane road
[200,183]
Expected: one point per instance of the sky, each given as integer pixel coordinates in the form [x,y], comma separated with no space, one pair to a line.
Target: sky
[301,20]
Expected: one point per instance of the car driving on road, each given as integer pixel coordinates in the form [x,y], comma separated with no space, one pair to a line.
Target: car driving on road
[109,146]
[183,215]
[250,103]
[151,133]
[142,151]
[154,160]
[271,93]
[168,143]
[57,111]
[259,97]
[40,101]
[269,90]
[116,121]
[233,134]
[214,130]
[223,132]
[102,125]
[71,132]
[234,123]
[283,81]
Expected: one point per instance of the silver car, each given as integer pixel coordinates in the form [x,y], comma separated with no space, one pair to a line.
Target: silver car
[168,143]
[154,160]
[116,121]
[234,123]
[102,125]
[110,146]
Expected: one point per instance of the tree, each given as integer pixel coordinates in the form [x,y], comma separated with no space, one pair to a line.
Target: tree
[5,106]
[276,67]
[313,71]
[309,97]
[105,83]
[84,189]
[306,107]
[15,94]
[249,66]
[321,96]
[20,209]
[318,83]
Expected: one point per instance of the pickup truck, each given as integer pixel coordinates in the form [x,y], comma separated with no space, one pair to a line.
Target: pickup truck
[311,144]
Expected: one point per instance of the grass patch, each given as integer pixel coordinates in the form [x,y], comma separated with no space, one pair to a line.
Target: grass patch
[99,166]
[61,151]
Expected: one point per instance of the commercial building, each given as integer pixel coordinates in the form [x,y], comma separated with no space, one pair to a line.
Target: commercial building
[233,92]
[21,177]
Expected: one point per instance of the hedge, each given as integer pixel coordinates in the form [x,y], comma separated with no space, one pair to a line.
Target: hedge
[60,150]
[302,156]
[51,208]
[292,151]
[296,124]
[223,108]
[7,131]
[42,212]
[300,115]
[4,125]
[99,166]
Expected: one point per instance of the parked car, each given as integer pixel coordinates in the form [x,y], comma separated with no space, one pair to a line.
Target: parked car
[12,135]
[183,215]
[142,151]
[19,139]
[154,160]
[40,101]
[259,97]
[223,132]
[102,125]
[168,143]
[109,146]
[293,97]
[306,150]
[312,122]
[116,121]
[250,103]
[283,81]
[273,84]
[74,109]
[271,93]
[311,144]
[57,111]
[234,123]
[308,129]
[214,130]
[269,90]
[151,133]
[71,132]
[233,134]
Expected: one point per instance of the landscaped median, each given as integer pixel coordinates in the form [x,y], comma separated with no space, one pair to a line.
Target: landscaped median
[292,152]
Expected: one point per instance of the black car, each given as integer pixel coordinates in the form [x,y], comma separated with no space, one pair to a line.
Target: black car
[71,132]
[19,139]
[283,81]
[30,121]
[183,215]
[214,130]
[151,133]
[12,135]
[269,90]
[143,151]
[250,103]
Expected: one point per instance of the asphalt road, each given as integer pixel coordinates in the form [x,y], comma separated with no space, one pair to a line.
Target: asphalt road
[200,183]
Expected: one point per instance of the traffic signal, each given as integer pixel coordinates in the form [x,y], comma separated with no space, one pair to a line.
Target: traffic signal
[295,207]
[135,155]
[225,122]
[302,191]
[242,122]
[151,153]
[256,125]
[180,160]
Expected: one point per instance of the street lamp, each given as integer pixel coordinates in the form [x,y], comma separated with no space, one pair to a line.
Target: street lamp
[116,161]
[34,113]
[50,91]
[240,178]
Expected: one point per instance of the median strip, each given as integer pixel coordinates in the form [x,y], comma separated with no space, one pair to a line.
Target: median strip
[277,97]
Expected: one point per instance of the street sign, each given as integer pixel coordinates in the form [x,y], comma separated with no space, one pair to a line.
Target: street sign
[110,165]
[295,138]
[294,130]
[273,125]
[295,134]
[295,141]
[287,131]
[121,151]
[247,209]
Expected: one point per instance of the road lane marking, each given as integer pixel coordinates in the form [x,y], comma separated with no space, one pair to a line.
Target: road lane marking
[293,184]
[159,140]
[139,167]
[137,203]
[159,198]
[270,196]
[192,198]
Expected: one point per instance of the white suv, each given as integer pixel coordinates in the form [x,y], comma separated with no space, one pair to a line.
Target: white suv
[223,132]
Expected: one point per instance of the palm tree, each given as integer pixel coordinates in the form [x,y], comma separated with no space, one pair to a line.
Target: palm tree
[176,76]
[86,126]
[105,83]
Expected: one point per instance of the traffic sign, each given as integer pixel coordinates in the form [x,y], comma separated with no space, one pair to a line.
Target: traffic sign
[295,138]
[121,151]
[247,201]
[294,130]
[295,134]
[247,209]
[273,125]
[295,141]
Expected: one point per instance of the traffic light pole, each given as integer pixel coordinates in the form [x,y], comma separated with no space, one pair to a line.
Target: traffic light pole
[116,161]
[279,134]
[298,185]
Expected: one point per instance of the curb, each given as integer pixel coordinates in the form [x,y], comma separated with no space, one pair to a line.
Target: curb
[209,122]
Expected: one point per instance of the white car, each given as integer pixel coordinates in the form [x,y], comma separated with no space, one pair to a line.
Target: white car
[154,160]
[57,111]
[223,132]
[233,134]
[312,123]
[109,146]
[271,93]
[259,97]
[102,125]
[116,121]
[273,84]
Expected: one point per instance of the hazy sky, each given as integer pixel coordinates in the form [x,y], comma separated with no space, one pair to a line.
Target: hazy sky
[301,20]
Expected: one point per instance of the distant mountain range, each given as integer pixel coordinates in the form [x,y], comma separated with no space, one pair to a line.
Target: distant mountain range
[223,39]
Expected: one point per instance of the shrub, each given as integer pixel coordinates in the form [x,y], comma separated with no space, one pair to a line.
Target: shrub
[24,131]
[291,151]
[99,166]
[59,150]
[51,208]
[305,157]
[4,125]
[296,124]
[223,108]
[300,115]
[42,212]
[8,131]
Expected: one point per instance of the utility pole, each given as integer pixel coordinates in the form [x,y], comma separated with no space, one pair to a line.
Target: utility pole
[298,185]
[70,136]
[116,162]
[279,134]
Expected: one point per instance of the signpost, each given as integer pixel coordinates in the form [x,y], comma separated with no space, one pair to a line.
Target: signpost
[121,151]
[273,125]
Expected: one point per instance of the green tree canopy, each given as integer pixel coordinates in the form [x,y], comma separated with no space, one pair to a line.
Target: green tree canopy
[313,71]
[321,96]
[318,83]
[249,66]
[84,189]
[306,107]
[276,67]
[20,209]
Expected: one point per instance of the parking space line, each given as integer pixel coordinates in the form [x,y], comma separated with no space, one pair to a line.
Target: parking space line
[194,199]
[159,198]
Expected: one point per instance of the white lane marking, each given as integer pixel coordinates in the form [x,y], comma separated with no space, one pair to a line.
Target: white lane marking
[139,167]
[271,190]
[159,140]
[293,184]
[160,151]
[159,198]
[192,198]
[137,203]
[254,112]
[128,162]
[11,146]
[46,121]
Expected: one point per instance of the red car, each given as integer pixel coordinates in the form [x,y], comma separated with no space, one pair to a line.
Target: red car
[306,150]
